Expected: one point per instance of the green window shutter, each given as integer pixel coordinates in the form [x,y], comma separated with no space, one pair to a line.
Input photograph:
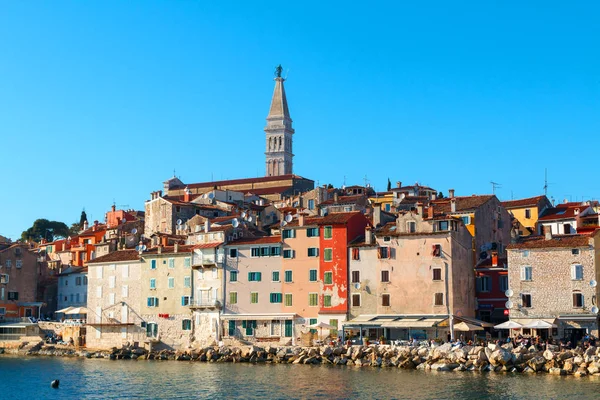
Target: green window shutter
[249,276]
[156,302]
[244,324]
[149,299]
[259,276]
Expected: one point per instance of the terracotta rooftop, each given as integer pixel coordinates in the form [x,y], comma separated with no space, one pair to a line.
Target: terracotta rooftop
[120,255]
[259,240]
[340,218]
[563,211]
[245,181]
[171,249]
[463,203]
[557,241]
[418,187]
[344,200]
[263,191]
[207,245]
[528,202]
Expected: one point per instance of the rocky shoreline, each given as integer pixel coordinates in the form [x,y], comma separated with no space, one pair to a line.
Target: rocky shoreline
[491,358]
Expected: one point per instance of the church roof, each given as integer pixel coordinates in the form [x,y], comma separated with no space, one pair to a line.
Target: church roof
[279,106]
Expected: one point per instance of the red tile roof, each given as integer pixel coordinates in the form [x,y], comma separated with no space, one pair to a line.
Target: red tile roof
[339,218]
[562,211]
[528,202]
[263,191]
[259,240]
[557,241]
[206,245]
[463,203]
[120,255]
[245,181]
[344,199]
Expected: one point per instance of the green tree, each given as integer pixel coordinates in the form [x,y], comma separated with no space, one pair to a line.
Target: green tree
[389,186]
[45,229]
[440,195]
[82,219]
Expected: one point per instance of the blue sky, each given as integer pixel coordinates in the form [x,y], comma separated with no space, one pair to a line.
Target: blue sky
[101,100]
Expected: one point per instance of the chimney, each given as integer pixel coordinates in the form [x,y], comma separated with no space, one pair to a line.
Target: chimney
[175,247]
[452,204]
[420,209]
[159,249]
[376,215]
[433,196]
[186,195]
[159,194]
[451,193]
[301,219]
[206,226]
[547,232]
[335,197]
[113,208]
[430,211]
[494,259]
[164,240]
[398,184]
[368,235]
[85,225]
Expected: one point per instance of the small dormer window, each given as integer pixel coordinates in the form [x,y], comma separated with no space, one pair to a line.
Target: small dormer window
[575,252]
[387,238]
[411,226]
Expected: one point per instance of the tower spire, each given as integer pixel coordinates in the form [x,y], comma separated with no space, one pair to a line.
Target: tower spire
[279,131]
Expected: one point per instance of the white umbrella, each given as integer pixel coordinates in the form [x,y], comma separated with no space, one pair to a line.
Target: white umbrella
[539,324]
[77,310]
[508,325]
[64,310]
[321,326]
[464,327]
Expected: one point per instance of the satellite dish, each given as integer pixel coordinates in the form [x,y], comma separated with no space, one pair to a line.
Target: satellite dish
[134,231]
[235,223]
[288,218]
[243,214]
[142,237]
[509,293]
[179,222]
[211,195]
[509,304]
[249,219]
[138,248]
[357,286]
[593,283]
[594,310]
[144,247]
[283,223]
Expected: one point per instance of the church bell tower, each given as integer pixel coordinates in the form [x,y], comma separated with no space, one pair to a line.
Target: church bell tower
[279,132]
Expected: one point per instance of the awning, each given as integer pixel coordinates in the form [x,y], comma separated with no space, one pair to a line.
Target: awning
[525,321]
[31,304]
[471,321]
[582,317]
[254,317]
[412,323]
[464,327]
[362,318]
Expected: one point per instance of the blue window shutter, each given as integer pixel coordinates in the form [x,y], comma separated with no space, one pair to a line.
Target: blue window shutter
[156,302]
[183,300]
[149,304]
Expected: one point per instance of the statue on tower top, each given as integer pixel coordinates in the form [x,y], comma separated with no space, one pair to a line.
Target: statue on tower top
[278,71]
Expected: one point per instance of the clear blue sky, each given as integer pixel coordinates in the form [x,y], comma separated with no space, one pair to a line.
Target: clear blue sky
[101,100]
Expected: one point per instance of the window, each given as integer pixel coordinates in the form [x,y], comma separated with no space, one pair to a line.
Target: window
[232,297]
[187,281]
[312,232]
[255,252]
[526,274]
[311,204]
[577,272]
[385,300]
[78,281]
[437,274]
[484,283]
[313,299]
[72,298]
[171,283]
[466,219]
[152,301]
[171,263]
[4,278]
[13,295]
[313,251]
[288,300]
[385,276]
[2,310]
[254,298]
[254,276]
[124,291]
[503,283]
[67,282]
[567,229]
[356,300]
[187,262]
[575,252]
[264,252]
[437,250]
[328,255]
[186,325]
[527,213]
[276,297]
[185,300]
[525,253]
[355,253]
[19,263]
[443,226]
[411,226]
[577,300]
[152,283]
[233,276]
[275,251]
[387,239]
[327,300]
[151,329]
[215,273]
[288,234]
[85,281]
[233,253]
[288,253]
[312,275]
[152,265]
[355,276]
[328,232]
[328,278]
[526,300]
[275,276]
[8,263]
[288,276]
[438,299]
[383,252]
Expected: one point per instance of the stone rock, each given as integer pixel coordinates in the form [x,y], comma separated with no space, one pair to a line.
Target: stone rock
[537,363]
[548,355]
[580,373]
[557,371]
[593,368]
[529,370]
[500,357]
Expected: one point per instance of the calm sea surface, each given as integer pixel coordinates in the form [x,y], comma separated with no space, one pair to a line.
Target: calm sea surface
[30,378]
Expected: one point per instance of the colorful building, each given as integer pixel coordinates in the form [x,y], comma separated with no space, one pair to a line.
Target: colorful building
[527,211]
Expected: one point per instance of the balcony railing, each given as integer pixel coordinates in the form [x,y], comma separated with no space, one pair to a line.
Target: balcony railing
[205,303]
[207,259]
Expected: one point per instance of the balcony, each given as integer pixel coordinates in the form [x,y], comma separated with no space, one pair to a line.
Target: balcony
[205,303]
[207,260]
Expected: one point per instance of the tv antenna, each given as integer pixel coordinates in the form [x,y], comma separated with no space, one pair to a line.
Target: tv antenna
[495,186]
[546,184]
